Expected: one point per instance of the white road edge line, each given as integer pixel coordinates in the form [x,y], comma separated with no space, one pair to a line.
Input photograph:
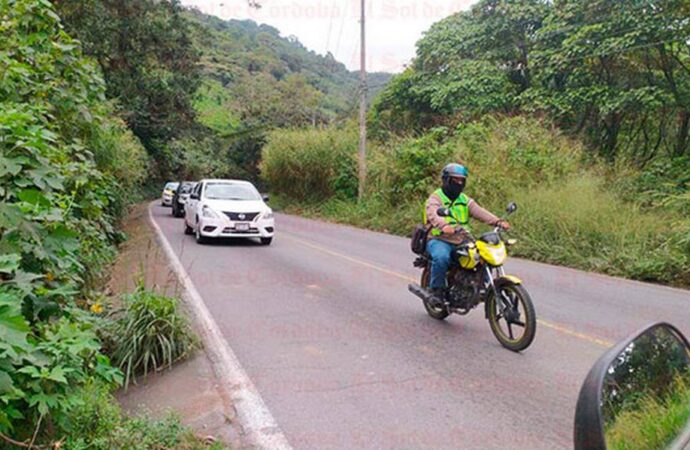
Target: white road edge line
[257,422]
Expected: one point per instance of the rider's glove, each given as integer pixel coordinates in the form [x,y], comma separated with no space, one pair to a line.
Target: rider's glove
[503,224]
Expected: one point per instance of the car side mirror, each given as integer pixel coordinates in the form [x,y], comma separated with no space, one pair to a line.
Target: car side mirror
[265,197]
[443,212]
[194,196]
[512,207]
[641,383]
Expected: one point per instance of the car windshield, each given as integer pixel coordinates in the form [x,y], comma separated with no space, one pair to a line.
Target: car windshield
[230,191]
[171,186]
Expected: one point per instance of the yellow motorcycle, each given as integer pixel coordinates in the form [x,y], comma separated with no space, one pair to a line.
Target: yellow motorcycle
[477,276]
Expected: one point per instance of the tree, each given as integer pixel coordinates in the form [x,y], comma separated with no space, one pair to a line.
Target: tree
[147,58]
[619,73]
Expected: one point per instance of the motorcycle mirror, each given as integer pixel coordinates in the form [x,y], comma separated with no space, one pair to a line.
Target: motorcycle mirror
[641,383]
[443,212]
[512,207]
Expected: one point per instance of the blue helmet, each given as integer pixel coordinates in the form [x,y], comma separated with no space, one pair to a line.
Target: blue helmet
[454,170]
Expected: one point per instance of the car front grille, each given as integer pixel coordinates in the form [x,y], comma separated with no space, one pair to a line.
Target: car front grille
[241,217]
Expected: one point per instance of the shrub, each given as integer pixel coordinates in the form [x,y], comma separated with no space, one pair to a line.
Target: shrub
[149,334]
[570,212]
[42,374]
[63,182]
[98,424]
[311,164]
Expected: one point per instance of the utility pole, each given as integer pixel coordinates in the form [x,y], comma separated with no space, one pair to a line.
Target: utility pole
[362,110]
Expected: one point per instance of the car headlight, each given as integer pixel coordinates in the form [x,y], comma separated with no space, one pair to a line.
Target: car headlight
[268,215]
[209,213]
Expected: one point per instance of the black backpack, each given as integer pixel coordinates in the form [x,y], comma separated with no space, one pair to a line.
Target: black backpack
[420,235]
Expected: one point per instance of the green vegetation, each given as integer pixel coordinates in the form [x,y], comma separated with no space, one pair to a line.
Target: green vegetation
[651,422]
[322,160]
[150,70]
[616,75]
[99,424]
[69,167]
[149,334]
[268,80]
[571,210]
[254,80]
[61,193]
[578,110]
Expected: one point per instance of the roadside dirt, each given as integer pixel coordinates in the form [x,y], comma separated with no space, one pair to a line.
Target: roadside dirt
[189,389]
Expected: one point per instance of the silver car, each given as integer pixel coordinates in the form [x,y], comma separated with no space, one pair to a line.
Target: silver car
[168,193]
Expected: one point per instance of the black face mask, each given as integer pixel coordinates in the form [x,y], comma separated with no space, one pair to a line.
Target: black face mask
[453,189]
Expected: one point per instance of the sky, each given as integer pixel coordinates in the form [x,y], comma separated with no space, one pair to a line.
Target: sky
[393,26]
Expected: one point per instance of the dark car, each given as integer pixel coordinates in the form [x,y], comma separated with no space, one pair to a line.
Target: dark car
[181,196]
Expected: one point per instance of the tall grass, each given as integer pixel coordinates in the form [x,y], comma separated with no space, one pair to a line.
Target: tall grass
[651,423]
[149,334]
[570,211]
[311,164]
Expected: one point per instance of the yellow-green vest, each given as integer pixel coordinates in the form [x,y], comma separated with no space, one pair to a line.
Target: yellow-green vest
[459,211]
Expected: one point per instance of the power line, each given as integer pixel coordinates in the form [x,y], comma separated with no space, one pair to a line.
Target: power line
[342,25]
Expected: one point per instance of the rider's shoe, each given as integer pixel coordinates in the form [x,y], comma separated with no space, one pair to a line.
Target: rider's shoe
[437,296]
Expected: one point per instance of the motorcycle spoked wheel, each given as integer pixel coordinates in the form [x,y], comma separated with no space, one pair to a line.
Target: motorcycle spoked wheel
[438,313]
[512,319]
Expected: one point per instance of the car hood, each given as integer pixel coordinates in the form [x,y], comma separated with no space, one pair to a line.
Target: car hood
[237,205]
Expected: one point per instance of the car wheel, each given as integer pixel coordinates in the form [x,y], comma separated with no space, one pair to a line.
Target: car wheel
[200,239]
[266,241]
[187,229]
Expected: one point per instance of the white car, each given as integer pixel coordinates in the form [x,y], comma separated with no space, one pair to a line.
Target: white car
[228,209]
[168,193]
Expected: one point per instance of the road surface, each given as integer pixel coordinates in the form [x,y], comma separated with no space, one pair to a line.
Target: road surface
[345,357]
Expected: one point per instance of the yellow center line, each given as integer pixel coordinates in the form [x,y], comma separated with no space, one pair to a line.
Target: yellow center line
[554,326]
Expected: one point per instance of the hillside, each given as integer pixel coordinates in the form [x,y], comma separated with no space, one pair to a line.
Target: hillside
[251,75]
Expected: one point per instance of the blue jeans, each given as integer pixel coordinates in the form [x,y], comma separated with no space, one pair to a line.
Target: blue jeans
[440,261]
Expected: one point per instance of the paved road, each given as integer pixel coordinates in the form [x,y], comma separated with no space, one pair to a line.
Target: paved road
[345,357]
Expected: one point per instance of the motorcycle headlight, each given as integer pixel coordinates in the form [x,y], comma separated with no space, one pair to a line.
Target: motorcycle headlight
[268,215]
[209,213]
[498,254]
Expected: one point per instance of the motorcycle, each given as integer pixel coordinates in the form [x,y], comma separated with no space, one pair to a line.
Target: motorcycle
[477,276]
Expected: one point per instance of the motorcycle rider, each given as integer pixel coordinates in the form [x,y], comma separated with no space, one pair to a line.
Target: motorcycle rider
[447,232]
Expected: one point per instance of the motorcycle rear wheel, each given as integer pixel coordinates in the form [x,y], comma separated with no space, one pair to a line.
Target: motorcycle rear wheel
[514,313]
[433,311]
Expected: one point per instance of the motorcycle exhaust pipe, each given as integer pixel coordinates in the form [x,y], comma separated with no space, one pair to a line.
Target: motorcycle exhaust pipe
[419,291]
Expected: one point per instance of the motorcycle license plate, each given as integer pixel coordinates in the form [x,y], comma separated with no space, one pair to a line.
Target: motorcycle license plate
[242,226]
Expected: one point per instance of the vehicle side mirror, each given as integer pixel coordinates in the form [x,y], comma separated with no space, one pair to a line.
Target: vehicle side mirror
[443,212]
[641,383]
[265,197]
[194,196]
[512,207]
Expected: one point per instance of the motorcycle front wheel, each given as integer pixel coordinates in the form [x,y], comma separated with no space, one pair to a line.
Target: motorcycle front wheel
[511,315]
[438,313]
